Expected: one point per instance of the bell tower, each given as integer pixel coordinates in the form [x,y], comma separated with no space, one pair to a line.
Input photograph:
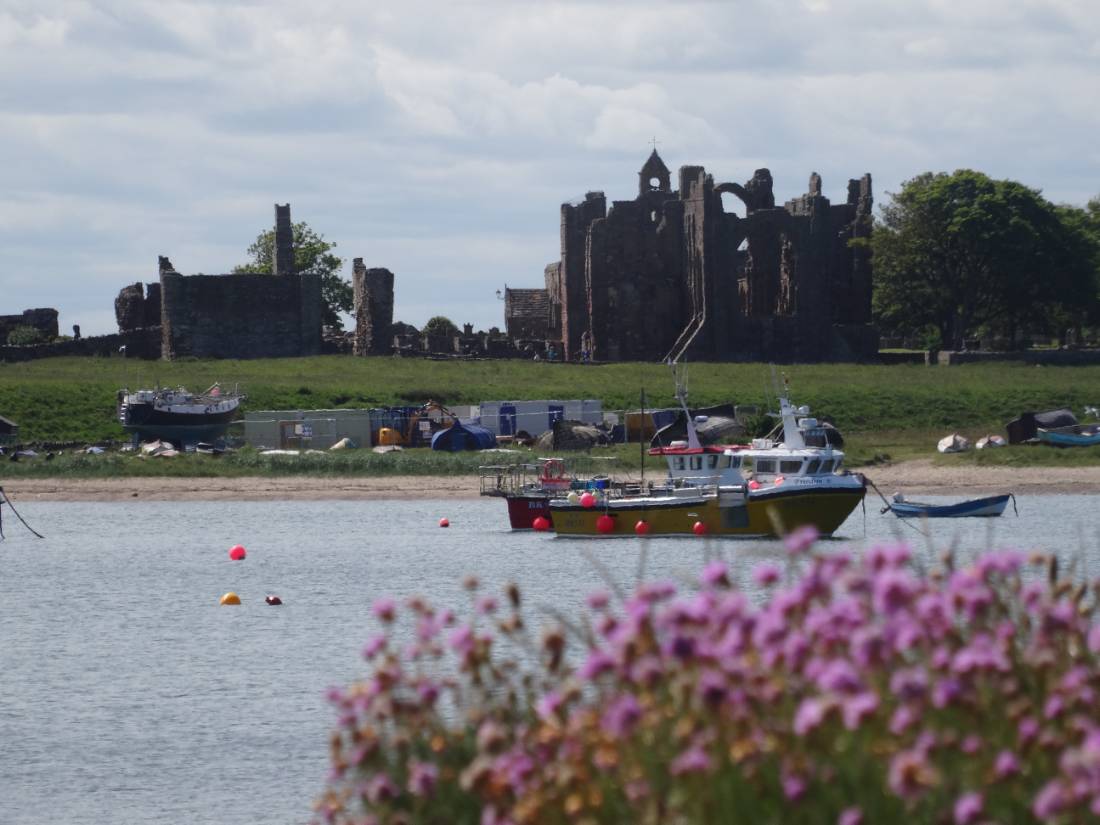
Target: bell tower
[654,176]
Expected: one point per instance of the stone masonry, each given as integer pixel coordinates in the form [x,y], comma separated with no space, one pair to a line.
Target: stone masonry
[673,270]
[373,308]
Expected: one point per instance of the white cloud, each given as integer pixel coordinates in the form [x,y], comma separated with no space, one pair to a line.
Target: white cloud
[438,139]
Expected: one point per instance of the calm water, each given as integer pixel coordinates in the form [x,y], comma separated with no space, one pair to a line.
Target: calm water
[127,695]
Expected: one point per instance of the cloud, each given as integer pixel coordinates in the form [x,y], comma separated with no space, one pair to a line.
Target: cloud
[438,139]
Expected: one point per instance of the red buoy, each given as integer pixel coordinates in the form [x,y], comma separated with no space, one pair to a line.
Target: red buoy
[444,523]
[236,553]
[540,523]
[699,528]
[642,528]
[588,501]
[605,524]
[273,600]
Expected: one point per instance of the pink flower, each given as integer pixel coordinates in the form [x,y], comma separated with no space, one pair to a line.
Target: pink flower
[461,639]
[598,599]
[1094,639]
[715,573]
[375,645]
[850,816]
[1050,801]
[766,574]
[597,663]
[549,705]
[486,605]
[810,714]
[380,788]
[909,773]
[968,808]
[385,609]
[422,778]
[693,760]
[621,716]
[858,708]
[800,540]
[1006,764]
[794,786]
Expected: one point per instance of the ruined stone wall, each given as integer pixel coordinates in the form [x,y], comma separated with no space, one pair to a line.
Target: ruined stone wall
[373,308]
[240,316]
[668,268]
[43,319]
[575,221]
[138,306]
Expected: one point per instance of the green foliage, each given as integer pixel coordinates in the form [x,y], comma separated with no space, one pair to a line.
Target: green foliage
[440,325]
[313,255]
[963,253]
[25,335]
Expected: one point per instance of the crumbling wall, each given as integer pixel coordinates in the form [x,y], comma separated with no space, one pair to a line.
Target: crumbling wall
[780,283]
[138,306]
[249,315]
[43,319]
[373,309]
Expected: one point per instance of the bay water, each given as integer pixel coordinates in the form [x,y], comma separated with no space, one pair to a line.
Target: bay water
[128,695]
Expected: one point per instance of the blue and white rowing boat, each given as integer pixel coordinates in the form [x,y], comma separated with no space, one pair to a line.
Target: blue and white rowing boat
[983,507]
[1079,435]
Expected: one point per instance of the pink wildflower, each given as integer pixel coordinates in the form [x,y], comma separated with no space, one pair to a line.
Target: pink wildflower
[693,760]
[385,609]
[801,539]
[375,645]
[422,778]
[380,788]
[1005,765]
[810,714]
[766,574]
[850,816]
[621,716]
[597,663]
[968,808]
[549,704]
[715,573]
[858,708]
[1050,801]
[794,786]
[1094,639]
[598,599]
[909,773]
[486,605]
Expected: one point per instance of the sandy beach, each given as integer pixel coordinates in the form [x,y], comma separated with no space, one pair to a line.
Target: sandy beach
[920,477]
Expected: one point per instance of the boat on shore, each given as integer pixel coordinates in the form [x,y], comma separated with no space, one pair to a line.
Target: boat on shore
[988,507]
[176,415]
[1076,435]
[763,489]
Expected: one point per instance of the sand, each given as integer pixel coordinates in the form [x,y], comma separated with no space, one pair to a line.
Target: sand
[911,477]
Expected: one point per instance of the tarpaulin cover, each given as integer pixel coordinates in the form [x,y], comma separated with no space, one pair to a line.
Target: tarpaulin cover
[1024,428]
[463,437]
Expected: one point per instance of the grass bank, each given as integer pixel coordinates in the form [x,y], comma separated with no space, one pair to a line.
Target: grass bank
[892,412]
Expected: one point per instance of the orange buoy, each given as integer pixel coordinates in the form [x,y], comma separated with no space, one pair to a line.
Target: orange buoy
[444,523]
[588,501]
[605,524]
[699,528]
[642,528]
[540,523]
[230,598]
[237,553]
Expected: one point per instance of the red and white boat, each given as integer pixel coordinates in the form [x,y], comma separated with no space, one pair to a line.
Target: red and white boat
[529,488]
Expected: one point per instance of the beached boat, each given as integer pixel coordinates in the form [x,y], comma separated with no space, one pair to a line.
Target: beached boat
[177,415]
[767,488]
[1077,435]
[987,507]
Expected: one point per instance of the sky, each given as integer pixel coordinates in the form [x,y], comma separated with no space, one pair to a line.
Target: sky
[439,139]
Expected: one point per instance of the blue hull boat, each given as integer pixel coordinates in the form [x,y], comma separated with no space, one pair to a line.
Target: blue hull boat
[1082,435]
[982,507]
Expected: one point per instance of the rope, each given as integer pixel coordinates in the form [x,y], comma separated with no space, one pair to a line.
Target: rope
[889,507]
[1014,510]
[4,498]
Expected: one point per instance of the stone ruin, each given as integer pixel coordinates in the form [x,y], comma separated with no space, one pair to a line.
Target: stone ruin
[672,272]
[43,319]
[239,315]
[373,307]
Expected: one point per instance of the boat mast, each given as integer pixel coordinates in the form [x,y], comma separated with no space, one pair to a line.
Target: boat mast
[641,436]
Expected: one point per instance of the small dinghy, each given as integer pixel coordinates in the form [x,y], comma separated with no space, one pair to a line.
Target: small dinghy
[983,507]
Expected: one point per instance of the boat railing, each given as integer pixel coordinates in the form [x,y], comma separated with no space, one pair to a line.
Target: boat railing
[506,479]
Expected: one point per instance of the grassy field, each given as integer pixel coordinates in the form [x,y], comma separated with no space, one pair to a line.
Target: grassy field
[885,413]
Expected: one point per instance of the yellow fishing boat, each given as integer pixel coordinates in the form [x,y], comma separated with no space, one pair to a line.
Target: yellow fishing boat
[766,488]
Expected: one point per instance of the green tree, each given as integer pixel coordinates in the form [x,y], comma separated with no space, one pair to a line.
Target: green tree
[440,325]
[25,335]
[963,253]
[312,254]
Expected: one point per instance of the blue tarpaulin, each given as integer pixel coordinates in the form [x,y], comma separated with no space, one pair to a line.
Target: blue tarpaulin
[463,437]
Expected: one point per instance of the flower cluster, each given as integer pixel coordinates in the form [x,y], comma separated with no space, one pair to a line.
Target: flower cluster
[860,690]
